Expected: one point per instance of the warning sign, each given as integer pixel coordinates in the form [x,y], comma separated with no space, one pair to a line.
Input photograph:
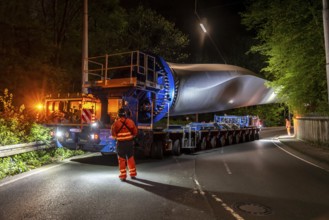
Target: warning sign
[87,116]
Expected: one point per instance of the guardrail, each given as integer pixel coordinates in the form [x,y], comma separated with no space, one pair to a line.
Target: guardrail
[10,150]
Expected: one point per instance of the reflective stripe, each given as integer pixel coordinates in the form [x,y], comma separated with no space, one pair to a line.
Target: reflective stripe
[124,133]
[126,138]
[122,136]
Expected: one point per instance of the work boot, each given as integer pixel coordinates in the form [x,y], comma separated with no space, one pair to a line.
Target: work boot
[122,168]
[132,167]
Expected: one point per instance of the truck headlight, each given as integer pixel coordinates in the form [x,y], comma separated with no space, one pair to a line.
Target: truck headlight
[59,134]
[94,136]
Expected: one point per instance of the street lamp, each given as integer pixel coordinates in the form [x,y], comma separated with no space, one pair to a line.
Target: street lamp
[207,33]
[203,28]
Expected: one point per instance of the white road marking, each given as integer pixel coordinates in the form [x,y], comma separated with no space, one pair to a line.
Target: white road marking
[199,186]
[227,168]
[291,154]
[227,208]
[220,201]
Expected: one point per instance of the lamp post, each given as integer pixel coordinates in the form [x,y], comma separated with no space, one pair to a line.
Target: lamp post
[207,33]
[85,46]
[326,38]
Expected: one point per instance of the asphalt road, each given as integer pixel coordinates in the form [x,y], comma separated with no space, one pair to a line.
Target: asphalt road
[253,180]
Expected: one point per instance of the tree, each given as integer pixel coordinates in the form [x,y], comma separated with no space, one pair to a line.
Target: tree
[113,29]
[57,18]
[149,31]
[107,27]
[40,43]
[30,63]
[290,36]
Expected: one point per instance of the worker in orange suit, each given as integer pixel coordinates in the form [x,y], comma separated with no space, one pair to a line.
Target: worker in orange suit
[288,126]
[124,130]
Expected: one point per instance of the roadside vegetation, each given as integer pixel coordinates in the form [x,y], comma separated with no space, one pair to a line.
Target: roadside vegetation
[20,163]
[289,35]
[17,125]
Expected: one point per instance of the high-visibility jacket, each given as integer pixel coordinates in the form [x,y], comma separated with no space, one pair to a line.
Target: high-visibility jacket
[124,129]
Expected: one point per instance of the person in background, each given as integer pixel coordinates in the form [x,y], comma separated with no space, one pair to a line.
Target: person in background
[288,126]
[124,130]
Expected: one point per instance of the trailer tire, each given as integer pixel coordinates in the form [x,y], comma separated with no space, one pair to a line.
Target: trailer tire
[247,136]
[229,140]
[190,150]
[252,136]
[213,142]
[157,150]
[222,141]
[236,138]
[176,149]
[243,138]
[203,144]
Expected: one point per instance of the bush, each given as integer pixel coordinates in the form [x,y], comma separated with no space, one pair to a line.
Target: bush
[16,125]
[7,136]
[39,133]
[24,162]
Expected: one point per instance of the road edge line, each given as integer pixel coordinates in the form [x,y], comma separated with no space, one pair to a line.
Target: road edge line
[302,159]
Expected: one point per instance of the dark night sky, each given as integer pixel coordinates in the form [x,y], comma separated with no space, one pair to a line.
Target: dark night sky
[220,17]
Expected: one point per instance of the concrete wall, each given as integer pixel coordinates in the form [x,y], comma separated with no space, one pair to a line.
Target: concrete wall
[315,129]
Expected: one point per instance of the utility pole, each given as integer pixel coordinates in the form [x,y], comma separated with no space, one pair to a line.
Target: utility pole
[85,47]
[326,38]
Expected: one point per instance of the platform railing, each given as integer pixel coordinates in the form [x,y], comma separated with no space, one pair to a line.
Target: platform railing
[129,65]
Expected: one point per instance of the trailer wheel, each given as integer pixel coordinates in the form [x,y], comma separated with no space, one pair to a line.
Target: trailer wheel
[236,138]
[191,148]
[157,150]
[176,150]
[203,144]
[243,138]
[222,141]
[252,136]
[213,142]
[229,140]
[218,141]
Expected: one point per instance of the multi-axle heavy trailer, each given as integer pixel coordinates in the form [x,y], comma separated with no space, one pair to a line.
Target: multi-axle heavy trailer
[150,90]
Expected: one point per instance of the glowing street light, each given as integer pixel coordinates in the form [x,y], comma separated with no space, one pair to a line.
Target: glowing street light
[208,34]
[203,28]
